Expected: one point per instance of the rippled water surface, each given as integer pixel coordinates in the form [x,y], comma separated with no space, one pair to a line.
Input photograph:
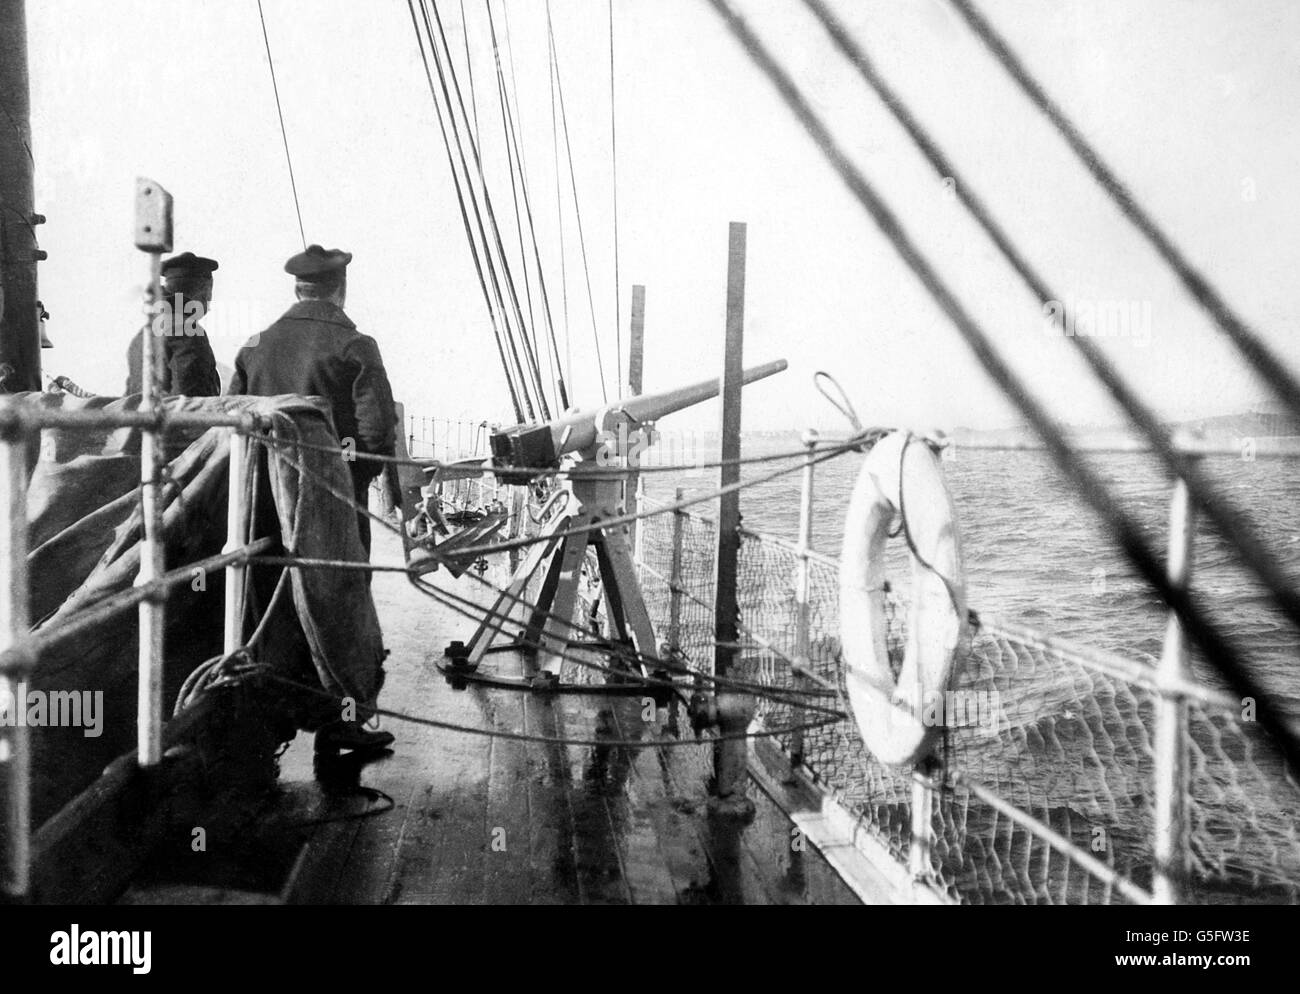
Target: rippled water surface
[1035,553]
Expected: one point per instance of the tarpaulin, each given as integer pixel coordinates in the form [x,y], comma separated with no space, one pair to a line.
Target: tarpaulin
[85,531]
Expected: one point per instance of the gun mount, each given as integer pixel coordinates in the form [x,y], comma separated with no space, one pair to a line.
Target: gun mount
[595,495]
[523,448]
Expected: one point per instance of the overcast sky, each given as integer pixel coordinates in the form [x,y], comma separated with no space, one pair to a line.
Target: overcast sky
[1195,103]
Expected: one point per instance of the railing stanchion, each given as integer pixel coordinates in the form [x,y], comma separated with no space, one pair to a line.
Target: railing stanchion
[638,533]
[634,485]
[802,592]
[1170,844]
[675,588]
[730,755]
[153,236]
[237,522]
[15,755]
[918,853]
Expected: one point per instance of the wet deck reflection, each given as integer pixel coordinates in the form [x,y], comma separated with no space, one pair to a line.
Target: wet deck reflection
[475,820]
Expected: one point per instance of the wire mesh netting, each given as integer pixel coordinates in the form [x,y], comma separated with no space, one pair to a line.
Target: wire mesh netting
[1044,728]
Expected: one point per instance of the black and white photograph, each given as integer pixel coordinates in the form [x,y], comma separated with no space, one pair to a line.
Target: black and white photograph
[650,452]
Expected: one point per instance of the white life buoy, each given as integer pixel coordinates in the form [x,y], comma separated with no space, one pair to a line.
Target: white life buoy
[901,475]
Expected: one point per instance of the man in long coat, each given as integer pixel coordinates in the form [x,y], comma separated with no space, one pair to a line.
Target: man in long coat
[314,349]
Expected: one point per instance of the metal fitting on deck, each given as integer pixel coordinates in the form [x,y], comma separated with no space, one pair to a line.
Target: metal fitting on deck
[544,682]
[458,665]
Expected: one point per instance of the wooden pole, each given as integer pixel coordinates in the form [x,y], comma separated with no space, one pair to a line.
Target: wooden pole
[675,588]
[20,327]
[730,757]
[635,364]
[728,550]
[15,757]
[636,353]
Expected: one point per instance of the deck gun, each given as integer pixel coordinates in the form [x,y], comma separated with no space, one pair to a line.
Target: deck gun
[599,439]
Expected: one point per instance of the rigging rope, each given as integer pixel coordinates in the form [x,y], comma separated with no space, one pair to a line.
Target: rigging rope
[577,208]
[1261,358]
[522,377]
[606,743]
[836,446]
[273,446]
[558,374]
[1227,519]
[613,155]
[284,135]
[487,203]
[559,210]
[473,551]
[512,156]
[469,68]
[469,234]
[1128,535]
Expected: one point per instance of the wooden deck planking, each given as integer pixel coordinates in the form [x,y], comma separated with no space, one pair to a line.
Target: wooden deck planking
[551,828]
[581,824]
[508,877]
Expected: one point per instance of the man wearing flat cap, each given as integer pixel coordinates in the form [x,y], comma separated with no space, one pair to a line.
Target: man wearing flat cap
[191,368]
[316,350]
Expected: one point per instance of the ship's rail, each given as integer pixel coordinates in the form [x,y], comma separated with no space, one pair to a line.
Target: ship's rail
[1064,770]
[446,439]
[450,440]
[22,844]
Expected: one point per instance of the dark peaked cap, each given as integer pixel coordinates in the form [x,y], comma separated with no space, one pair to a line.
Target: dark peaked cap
[318,264]
[187,265]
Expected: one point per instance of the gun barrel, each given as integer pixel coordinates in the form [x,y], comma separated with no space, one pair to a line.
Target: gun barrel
[577,430]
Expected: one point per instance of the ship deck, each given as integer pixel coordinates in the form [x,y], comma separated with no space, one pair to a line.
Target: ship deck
[453,818]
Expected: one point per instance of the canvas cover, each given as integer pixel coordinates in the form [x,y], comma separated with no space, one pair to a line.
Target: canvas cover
[85,541]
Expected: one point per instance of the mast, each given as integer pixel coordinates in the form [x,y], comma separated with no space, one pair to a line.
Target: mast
[20,327]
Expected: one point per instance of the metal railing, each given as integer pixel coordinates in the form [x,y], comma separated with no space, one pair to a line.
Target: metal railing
[21,648]
[1168,742]
[446,439]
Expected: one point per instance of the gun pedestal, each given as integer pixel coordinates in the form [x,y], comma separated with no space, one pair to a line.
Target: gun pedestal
[598,495]
[595,495]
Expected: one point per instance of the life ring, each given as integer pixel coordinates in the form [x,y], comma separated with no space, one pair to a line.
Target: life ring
[901,476]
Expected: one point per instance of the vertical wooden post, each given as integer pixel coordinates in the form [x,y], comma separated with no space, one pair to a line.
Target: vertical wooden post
[1170,844]
[20,327]
[636,350]
[730,756]
[518,498]
[15,755]
[635,364]
[675,588]
[726,617]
